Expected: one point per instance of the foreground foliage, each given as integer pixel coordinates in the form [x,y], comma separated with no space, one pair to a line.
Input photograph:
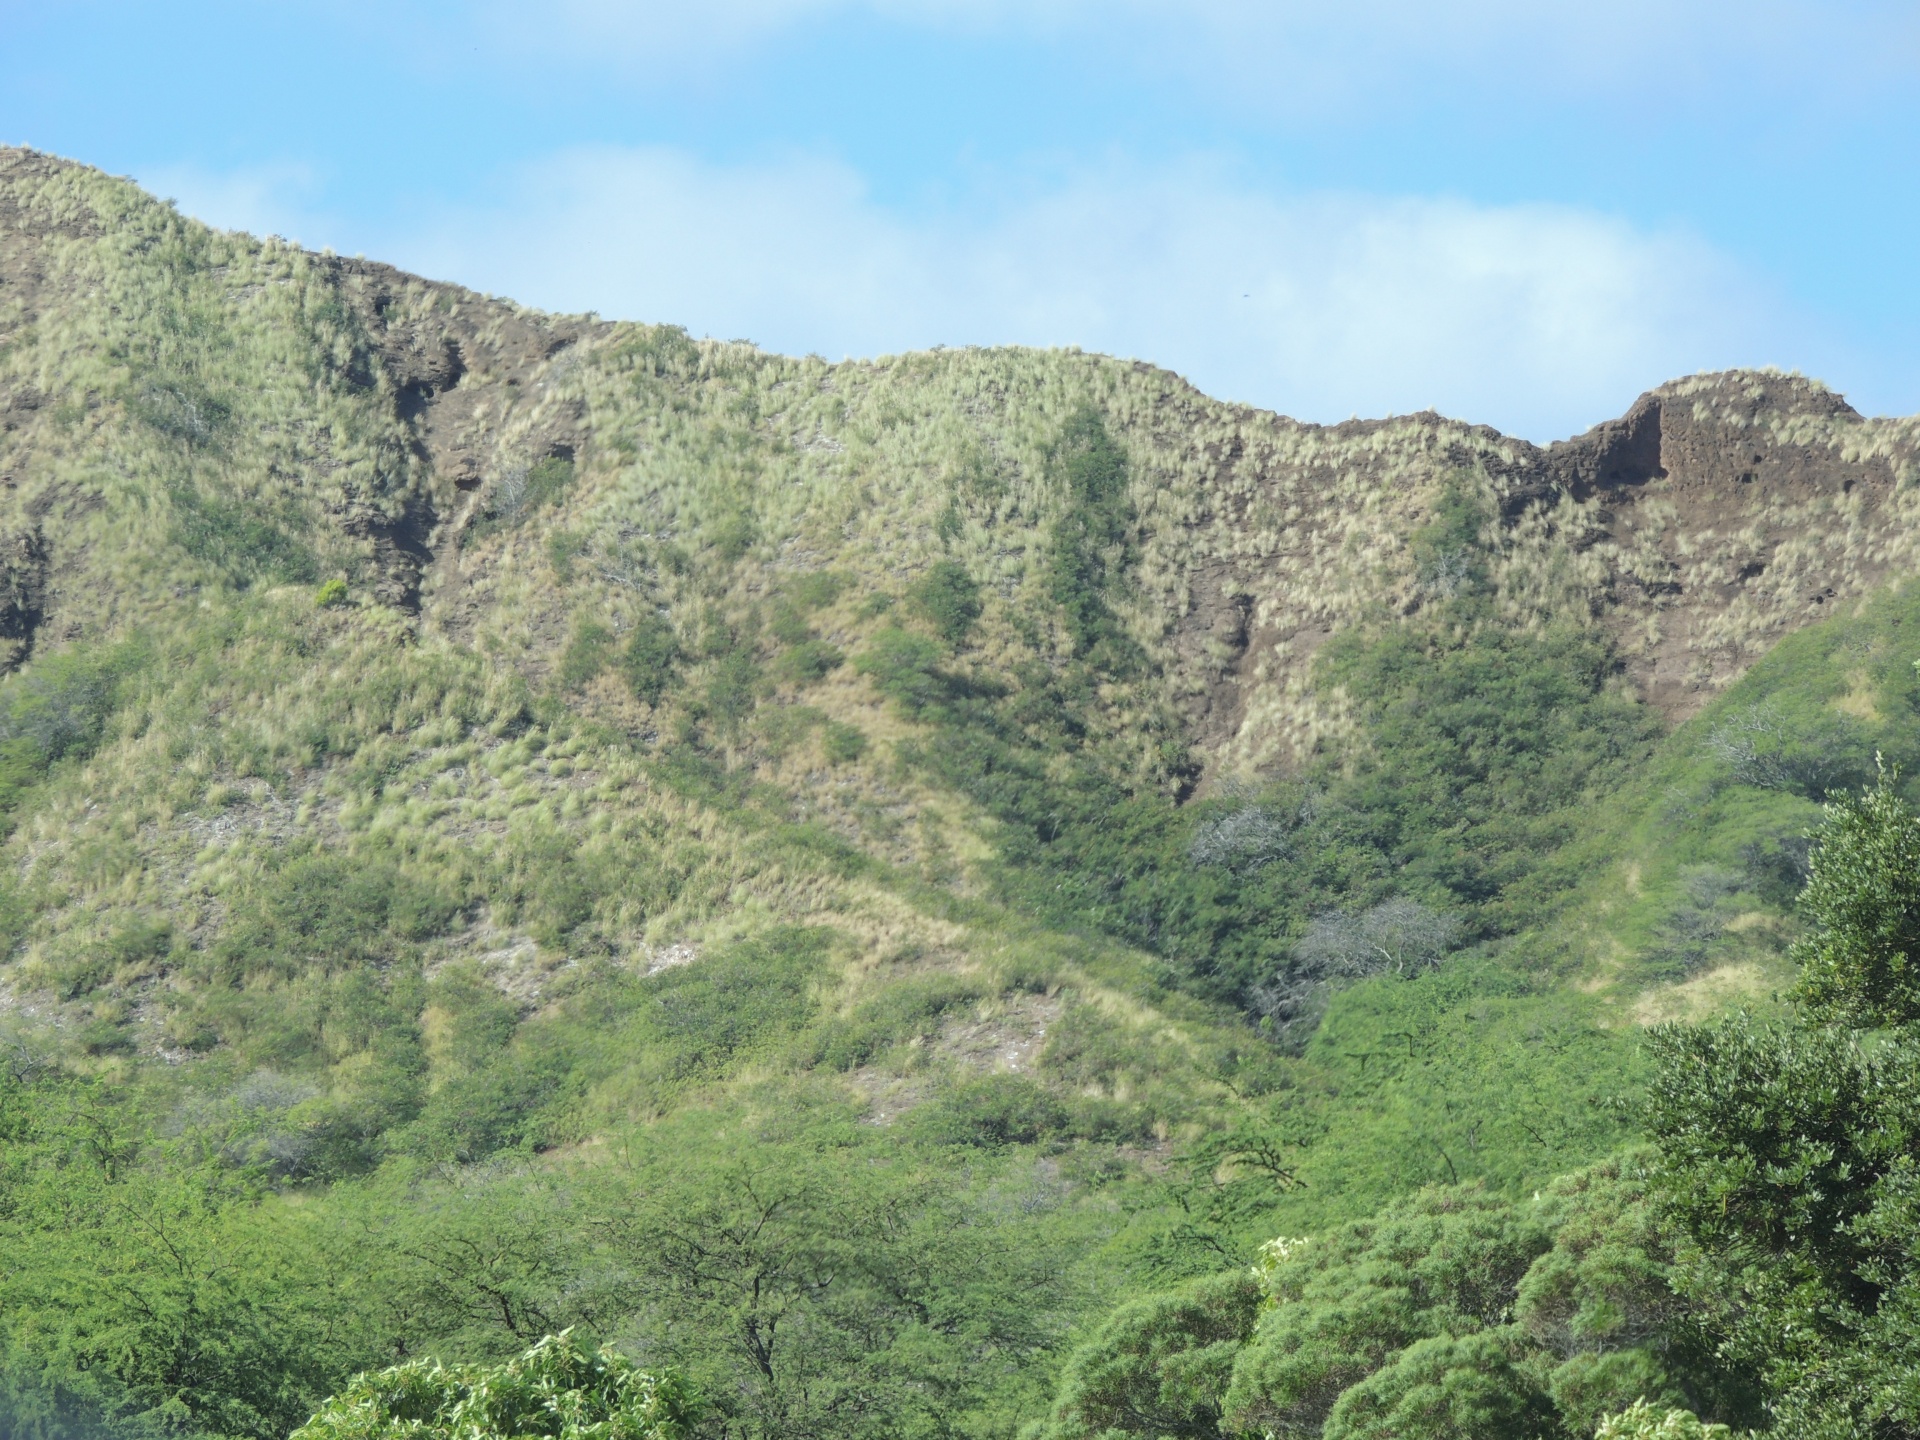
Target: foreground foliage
[1754,1267]
[1453,1313]
[556,1389]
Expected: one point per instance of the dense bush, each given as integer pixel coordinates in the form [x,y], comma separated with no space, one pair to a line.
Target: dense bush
[1862,964]
[1454,1313]
[555,1391]
[949,598]
[1160,1365]
[57,709]
[240,542]
[651,658]
[1788,1149]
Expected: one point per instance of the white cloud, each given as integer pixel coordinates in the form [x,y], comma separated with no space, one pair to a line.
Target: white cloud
[1539,319]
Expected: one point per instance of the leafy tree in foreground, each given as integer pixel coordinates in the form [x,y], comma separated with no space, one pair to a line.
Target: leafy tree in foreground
[1443,1387]
[556,1391]
[1862,964]
[1160,1365]
[1791,1152]
[1454,1313]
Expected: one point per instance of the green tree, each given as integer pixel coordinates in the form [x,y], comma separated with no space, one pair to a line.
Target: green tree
[1446,1263]
[811,1292]
[149,1294]
[1441,1388]
[1160,1366]
[950,598]
[1789,1155]
[1455,1312]
[1861,966]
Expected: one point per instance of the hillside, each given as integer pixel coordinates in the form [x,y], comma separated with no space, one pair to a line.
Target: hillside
[494,798]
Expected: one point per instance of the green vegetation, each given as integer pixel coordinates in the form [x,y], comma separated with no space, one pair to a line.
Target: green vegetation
[950,600]
[524,491]
[1788,1150]
[1642,1421]
[556,1389]
[1751,1268]
[801,1270]
[232,538]
[876,891]
[1451,1313]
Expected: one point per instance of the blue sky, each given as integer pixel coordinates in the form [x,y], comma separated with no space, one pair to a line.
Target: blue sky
[1521,213]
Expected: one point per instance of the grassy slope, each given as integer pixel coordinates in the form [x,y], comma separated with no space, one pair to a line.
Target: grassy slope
[421,888]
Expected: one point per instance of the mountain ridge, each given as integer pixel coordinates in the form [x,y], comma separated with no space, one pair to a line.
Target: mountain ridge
[1693,526]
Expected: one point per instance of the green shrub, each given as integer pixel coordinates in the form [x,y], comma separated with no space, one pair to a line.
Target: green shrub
[57,707]
[1485,752]
[907,1009]
[186,410]
[733,684]
[589,652]
[788,625]
[1641,1421]
[563,548]
[733,535]
[992,1111]
[1159,1367]
[336,911]
[138,945]
[557,1389]
[818,588]
[948,597]
[548,479]
[330,594]
[1440,1388]
[1092,542]
[843,743]
[240,541]
[1862,964]
[905,668]
[651,658]
[520,1099]
[809,661]
[701,1018]
[1454,1312]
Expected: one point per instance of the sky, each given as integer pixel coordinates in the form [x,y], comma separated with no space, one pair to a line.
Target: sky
[1518,212]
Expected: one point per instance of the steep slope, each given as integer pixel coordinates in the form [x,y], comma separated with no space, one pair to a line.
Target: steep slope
[439,738]
[603,581]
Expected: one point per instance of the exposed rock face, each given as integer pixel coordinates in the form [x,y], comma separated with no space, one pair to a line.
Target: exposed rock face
[461,381]
[1732,509]
[1719,514]
[458,363]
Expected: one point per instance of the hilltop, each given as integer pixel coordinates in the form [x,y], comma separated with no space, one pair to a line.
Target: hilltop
[448,745]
